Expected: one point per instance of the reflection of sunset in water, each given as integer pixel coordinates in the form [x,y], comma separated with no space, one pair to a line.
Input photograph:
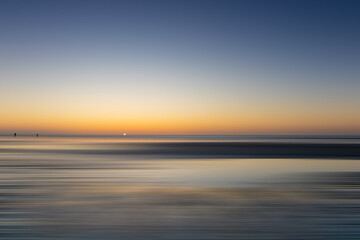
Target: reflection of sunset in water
[145,188]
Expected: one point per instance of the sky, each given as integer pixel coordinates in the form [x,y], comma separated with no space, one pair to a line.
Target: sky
[180,67]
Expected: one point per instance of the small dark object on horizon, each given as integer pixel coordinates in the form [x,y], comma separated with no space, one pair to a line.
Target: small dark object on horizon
[14,134]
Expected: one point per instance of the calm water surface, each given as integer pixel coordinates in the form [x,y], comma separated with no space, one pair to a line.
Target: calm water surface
[179,187]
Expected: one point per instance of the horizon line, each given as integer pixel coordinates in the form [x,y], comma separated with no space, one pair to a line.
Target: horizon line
[179,135]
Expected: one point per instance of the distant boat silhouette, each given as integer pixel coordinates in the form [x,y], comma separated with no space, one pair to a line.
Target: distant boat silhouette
[14,134]
[37,135]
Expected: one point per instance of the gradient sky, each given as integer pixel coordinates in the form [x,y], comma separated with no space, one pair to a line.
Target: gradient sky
[180,67]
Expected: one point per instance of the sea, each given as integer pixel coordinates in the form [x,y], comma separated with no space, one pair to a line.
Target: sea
[180,187]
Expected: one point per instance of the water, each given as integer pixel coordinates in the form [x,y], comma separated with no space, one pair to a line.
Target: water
[179,187]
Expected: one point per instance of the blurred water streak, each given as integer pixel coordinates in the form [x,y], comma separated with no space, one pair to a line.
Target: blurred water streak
[179,188]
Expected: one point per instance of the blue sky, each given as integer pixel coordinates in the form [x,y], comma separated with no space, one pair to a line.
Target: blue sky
[237,59]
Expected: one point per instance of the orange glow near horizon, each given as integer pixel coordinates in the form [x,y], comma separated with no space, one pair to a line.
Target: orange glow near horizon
[175,108]
[180,123]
